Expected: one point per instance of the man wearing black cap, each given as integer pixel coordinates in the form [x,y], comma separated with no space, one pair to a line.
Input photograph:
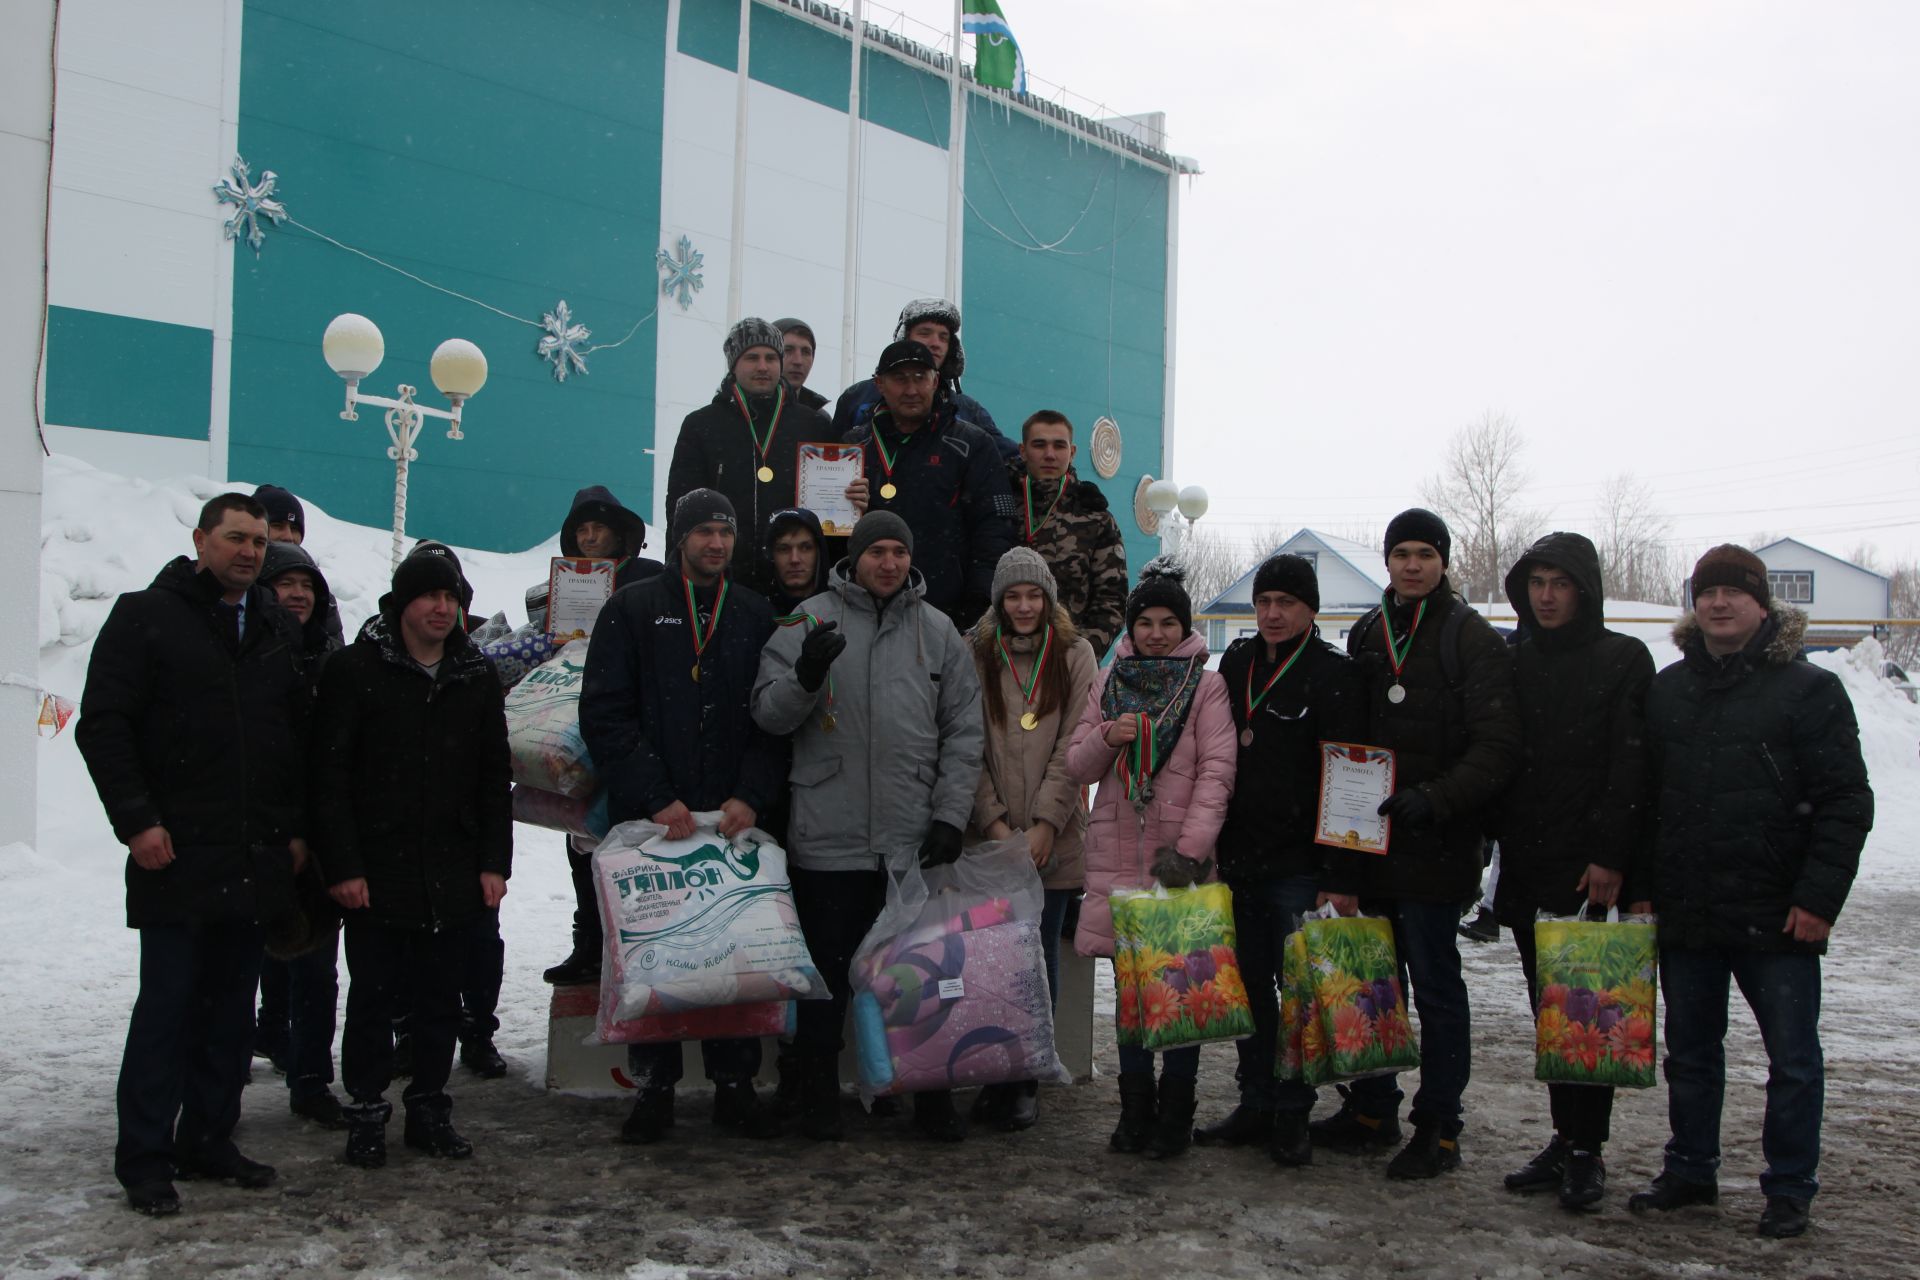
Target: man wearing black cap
[744,443]
[934,323]
[942,476]
[1573,825]
[796,360]
[413,826]
[663,709]
[1438,683]
[1290,690]
[796,546]
[1762,808]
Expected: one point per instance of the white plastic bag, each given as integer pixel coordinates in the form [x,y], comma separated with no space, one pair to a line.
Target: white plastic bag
[543,727]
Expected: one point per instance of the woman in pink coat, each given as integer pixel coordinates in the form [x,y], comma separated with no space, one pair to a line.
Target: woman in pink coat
[1158,737]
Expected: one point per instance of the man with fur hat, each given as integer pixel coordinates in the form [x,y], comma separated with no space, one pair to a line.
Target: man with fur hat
[796,360]
[1438,683]
[878,692]
[663,709]
[1572,827]
[935,324]
[1761,808]
[413,826]
[1067,521]
[940,474]
[744,444]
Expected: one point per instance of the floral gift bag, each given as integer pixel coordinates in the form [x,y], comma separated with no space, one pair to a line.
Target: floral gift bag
[1176,980]
[1343,1013]
[1595,1019]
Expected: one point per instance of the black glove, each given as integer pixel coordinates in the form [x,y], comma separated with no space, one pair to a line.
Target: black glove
[823,644]
[1410,806]
[1176,871]
[941,846]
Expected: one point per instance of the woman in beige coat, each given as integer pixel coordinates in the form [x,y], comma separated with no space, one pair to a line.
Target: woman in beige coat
[1034,675]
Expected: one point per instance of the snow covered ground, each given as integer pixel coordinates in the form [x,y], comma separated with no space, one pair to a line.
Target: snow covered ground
[551,1194]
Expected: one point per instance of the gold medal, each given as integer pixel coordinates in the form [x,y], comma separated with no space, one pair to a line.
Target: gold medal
[765,474]
[1029,721]
[696,673]
[827,723]
[1246,736]
[887,490]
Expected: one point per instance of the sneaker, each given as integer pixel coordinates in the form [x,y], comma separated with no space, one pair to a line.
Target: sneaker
[1427,1154]
[1244,1126]
[1351,1129]
[1785,1218]
[322,1108]
[737,1107]
[1585,1184]
[430,1129]
[1668,1193]
[229,1167]
[155,1198]
[651,1117]
[1545,1172]
[1481,928]
[481,1058]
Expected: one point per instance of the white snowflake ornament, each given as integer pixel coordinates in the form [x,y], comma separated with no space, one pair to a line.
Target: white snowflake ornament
[252,202]
[683,271]
[560,346]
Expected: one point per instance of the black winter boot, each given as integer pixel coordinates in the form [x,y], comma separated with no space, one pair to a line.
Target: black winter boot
[1291,1146]
[789,1095]
[820,1100]
[737,1107]
[227,1166]
[1351,1129]
[1244,1126]
[934,1115]
[582,964]
[1545,1172]
[1136,1113]
[1785,1218]
[1585,1183]
[991,1104]
[430,1128]
[367,1133]
[651,1117]
[479,1055]
[1023,1107]
[1173,1118]
[1428,1154]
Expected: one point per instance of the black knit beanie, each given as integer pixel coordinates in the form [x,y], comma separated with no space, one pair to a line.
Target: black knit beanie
[697,507]
[1417,524]
[1163,584]
[420,573]
[1291,574]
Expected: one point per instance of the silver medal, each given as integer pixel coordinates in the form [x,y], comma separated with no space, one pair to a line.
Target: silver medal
[1396,693]
[1246,736]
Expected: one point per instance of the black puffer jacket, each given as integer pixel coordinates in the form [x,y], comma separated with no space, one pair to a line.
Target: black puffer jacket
[1276,792]
[715,450]
[183,727]
[411,781]
[655,734]
[1456,737]
[1762,795]
[320,634]
[1582,797]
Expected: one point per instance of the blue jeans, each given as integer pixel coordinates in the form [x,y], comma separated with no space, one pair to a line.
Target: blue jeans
[1180,1062]
[1423,934]
[1053,919]
[1264,913]
[1783,989]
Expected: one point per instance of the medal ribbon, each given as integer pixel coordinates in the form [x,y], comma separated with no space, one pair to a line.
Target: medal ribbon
[1033,528]
[1033,677]
[1253,703]
[1397,650]
[797,619]
[701,638]
[886,459]
[779,407]
[1135,766]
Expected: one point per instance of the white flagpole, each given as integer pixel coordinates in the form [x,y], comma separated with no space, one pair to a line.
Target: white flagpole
[850,273]
[956,159]
[737,256]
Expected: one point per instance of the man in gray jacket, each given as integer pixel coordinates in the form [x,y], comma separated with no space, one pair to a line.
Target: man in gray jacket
[879,694]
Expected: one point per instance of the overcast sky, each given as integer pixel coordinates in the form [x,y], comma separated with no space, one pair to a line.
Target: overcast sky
[1677,238]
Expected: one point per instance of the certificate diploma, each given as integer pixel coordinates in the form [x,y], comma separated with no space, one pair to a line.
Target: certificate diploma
[824,472]
[1354,781]
[576,589]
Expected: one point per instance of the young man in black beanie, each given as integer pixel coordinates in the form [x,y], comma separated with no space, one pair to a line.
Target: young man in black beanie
[663,709]
[1290,690]
[413,826]
[1438,683]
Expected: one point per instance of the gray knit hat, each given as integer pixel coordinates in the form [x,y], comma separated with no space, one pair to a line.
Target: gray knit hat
[751,332]
[876,526]
[1023,566]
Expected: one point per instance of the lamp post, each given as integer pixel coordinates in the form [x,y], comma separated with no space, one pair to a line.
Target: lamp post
[354,349]
[1164,497]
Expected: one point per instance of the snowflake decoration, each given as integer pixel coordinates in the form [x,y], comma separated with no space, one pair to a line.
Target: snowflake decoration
[560,347]
[251,202]
[683,271]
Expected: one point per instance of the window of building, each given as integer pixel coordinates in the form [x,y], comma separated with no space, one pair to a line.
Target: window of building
[1795,586]
[1216,633]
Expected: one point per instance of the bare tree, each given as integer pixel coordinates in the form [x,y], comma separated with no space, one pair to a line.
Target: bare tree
[1903,643]
[1478,492]
[1630,531]
[1866,555]
[1212,561]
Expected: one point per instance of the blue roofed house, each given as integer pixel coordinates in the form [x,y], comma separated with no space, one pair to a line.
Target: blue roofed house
[1352,575]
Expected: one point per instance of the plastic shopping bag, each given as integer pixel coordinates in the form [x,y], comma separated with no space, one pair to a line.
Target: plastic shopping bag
[1594,1022]
[543,726]
[1343,1011]
[699,923]
[583,817]
[1176,978]
[950,984]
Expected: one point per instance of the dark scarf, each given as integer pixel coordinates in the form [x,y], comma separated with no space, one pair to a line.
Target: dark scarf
[1162,689]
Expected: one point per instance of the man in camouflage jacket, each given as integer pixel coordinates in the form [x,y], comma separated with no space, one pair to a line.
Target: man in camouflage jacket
[1067,521]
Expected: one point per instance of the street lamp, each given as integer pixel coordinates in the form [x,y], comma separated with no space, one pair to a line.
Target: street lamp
[354,349]
[1163,497]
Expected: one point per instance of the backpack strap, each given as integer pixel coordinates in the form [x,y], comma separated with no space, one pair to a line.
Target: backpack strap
[1357,636]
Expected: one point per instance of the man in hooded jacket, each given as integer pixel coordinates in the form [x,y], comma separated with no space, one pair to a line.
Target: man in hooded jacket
[1573,825]
[935,324]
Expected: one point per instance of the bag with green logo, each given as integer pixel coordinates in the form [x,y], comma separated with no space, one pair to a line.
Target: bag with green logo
[700,923]
[543,727]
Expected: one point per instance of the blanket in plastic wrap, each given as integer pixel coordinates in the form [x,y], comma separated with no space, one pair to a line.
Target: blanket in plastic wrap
[543,726]
[585,817]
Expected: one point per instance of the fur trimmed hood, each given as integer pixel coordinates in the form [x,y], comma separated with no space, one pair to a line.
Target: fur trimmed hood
[1778,642]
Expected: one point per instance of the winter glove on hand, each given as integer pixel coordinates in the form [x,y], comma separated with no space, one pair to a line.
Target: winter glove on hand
[941,846]
[823,644]
[1410,806]
[1175,871]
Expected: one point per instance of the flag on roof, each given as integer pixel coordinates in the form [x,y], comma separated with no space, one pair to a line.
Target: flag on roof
[997,61]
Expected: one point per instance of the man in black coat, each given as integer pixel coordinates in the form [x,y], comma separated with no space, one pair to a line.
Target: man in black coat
[413,828]
[1439,691]
[664,711]
[934,323]
[1573,826]
[1290,691]
[1761,808]
[746,443]
[193,725]
[942,475]
[797,550]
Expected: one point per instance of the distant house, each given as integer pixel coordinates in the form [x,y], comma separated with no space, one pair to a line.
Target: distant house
[1834,592]
[1352,575]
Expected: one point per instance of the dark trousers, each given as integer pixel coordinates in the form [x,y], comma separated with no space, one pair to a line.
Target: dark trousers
[391,968]
[1264,913]
[586,906]
[659,1066]
[1423,934]
[482,974]
[1057,905]
[189,1046]
[300,1006]
[1783,989]
[1582,1113]
[836,909]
